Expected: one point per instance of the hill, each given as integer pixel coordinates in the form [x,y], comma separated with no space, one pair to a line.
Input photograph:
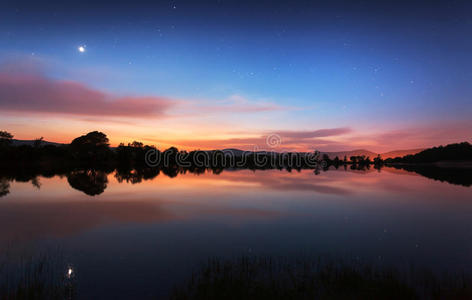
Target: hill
[31,143]
[400,153]
[340,154]
[451,152]
[348,154]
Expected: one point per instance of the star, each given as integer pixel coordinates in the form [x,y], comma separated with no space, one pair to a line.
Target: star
[81,48]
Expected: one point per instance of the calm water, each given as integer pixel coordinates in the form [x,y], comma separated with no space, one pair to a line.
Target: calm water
[137,240]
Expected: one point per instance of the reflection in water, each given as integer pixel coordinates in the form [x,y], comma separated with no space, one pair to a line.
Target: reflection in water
[57,219]
[94,182]
[91,182]
[459,176]
[149,224]
[134,176]
[36,183]
[4,187]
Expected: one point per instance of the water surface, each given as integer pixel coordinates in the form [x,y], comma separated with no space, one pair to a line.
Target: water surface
[136,238]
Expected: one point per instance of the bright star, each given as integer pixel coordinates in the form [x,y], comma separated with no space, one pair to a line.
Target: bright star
[81,49]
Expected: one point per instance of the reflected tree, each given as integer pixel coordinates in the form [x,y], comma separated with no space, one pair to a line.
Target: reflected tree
[459,176]
[136,175]
[36,183]
[4,187]
[91,182]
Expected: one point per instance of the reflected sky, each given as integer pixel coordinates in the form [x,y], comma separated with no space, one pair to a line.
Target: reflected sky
[164,226]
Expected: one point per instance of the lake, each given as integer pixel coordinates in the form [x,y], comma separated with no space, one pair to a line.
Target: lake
[130,237]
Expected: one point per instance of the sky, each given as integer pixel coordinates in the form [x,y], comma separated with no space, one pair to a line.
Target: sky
[311,75]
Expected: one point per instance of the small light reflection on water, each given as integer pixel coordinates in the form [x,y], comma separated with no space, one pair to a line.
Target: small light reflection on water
[70,272]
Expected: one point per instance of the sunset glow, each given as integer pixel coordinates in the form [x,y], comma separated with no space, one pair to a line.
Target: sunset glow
[235,149]
[369,85]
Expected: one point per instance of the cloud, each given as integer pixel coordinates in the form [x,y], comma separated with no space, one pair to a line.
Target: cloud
[237,103]
[421,136]
[288,141]
[33,92]
[287,182]
[315,133]
[24,87]
[234,104]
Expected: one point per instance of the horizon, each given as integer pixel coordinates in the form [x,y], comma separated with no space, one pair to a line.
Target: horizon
[238,149]
[226,74]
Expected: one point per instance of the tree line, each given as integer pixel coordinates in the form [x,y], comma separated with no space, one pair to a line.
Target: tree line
[93,149]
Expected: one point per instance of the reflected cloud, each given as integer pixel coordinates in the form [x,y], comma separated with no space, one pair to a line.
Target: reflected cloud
[284,181]
[28,221]
[187,197]
[34,220]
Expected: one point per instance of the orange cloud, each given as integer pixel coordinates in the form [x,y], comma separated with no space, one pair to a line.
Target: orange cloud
[287,141]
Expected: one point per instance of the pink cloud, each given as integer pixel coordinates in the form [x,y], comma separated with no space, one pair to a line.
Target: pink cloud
[421,136]
[27,90]
[24,87]
[381,142]
[38,94]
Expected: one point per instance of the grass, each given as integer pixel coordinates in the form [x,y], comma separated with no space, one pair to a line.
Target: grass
[258,277]
[275,278]
[36,277]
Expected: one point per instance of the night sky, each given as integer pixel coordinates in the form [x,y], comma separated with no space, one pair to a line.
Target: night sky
[331,75]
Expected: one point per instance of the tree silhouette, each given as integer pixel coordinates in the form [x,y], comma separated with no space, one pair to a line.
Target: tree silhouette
[136,144]
[451,152]
[5,138]
[93,146]
[378,160]
[93,139]
[38,142]
[336,161]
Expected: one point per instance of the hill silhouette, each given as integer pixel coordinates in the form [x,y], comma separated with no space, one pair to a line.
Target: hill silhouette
[451,152]
[93,149]
[239,152]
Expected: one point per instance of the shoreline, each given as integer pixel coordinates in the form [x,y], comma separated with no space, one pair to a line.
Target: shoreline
[439,164]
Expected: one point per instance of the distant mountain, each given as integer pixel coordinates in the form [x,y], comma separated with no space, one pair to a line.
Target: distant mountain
[367,153]
[400,153]
[348,154]
[31,143]
[451,152]
[235,152]
[238,152]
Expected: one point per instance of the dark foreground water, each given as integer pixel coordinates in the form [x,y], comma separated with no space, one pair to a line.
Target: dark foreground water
[135,239]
